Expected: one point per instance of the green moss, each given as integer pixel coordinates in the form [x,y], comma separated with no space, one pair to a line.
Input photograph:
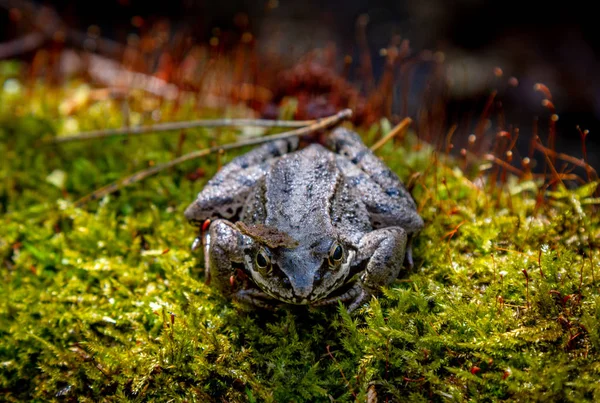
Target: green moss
[108,303]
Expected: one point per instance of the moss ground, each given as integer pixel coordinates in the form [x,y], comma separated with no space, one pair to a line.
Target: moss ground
[107,303]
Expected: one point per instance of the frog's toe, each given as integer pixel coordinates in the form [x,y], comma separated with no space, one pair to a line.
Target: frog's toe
[355,295]
[256,298]
[359,300]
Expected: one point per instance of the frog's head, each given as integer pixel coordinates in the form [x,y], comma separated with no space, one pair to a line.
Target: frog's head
[302,274]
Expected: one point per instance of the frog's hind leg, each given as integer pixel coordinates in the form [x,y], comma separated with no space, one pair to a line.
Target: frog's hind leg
[350,145]
[385,197]
[224,195]
[388,202]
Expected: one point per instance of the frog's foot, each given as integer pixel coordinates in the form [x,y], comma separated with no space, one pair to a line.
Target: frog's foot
[355,295]
[223,246]
[256,298]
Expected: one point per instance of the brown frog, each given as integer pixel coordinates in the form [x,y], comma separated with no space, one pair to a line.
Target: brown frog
[311,226]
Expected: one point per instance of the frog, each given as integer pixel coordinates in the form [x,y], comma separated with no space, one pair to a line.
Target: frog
[316,225]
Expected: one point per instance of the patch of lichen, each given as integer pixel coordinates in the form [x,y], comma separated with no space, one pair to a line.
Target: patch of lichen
[107,302]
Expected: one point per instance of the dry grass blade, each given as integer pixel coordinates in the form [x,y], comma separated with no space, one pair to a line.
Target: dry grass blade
[140,175]
[21,45]
[400,128]
[189,124]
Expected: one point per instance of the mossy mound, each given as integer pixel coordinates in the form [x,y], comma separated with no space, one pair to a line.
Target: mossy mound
[107,303]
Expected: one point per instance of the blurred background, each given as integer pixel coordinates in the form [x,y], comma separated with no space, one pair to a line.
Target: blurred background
[287,48]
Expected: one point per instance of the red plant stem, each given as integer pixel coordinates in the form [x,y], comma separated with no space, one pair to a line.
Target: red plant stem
[527,285]
[583,134]
[342,373]
[575,161]
[484,117]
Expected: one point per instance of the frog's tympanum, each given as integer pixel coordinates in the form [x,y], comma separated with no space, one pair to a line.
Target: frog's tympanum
[311,226]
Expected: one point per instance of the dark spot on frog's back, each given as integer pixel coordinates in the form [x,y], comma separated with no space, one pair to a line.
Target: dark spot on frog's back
[359,156]
[384,175]
[220,201]
[381,208]
[309,189]
[354,180]
[215,181]
[320,165]
[274,150]
[245,181]
[393,192]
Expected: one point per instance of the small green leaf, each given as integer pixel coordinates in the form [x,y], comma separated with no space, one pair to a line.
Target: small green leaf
[57,178]
[586,190]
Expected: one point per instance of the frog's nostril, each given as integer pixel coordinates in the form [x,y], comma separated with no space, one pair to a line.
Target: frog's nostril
[302,286]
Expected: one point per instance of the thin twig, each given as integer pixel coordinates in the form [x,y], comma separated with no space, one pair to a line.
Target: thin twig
[140,175]
[113,74]
[520,173]
[575,161]
[397,130]
[504,164]
[21,45]
[48,22]
[189,124]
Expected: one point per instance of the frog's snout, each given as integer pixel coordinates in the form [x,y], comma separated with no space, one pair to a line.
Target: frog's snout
[302,287]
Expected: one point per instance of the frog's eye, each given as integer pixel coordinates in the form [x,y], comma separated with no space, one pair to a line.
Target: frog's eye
[336,253]
[263,260]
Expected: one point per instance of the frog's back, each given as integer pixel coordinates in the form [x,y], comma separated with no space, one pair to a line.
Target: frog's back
[299,188]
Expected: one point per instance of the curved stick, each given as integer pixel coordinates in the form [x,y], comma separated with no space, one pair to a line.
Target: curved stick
[188,124]
[399,129]
[140,175]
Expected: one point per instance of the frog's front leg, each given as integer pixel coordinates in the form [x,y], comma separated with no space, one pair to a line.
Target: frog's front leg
[225,250]
[383,251]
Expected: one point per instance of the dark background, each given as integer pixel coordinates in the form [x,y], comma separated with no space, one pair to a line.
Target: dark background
[533,41]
